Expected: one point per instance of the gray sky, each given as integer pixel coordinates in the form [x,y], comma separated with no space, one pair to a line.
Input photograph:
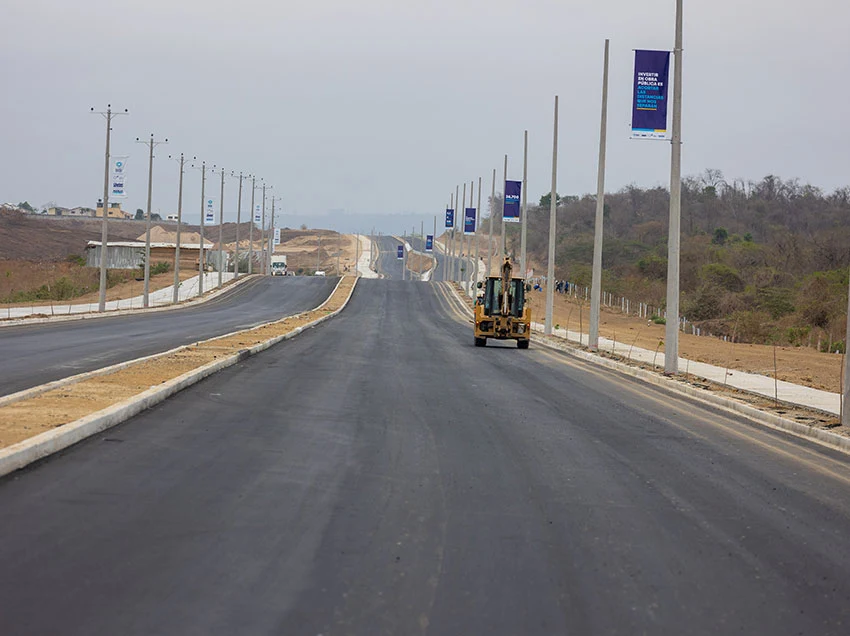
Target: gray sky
[383,106]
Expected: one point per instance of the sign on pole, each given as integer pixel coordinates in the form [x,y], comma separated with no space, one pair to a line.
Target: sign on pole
[209,214]
[400,255]
[257,213]
[277,236]
[649,105]
[118,175]
[513,190]
[469,221]
[429,243]
[450,218]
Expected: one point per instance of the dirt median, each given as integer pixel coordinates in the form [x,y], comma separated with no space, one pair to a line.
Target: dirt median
[30,417]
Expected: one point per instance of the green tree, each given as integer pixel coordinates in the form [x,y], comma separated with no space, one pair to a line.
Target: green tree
[721,235]
[24,205]
[140,214]
[546,199]
[155,217]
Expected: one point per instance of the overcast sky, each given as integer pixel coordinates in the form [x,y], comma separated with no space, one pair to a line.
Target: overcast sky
[383,106]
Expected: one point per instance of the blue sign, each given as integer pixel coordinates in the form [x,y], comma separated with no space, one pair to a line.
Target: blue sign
[649,106]
[469,221]
[400,253]
[429,243]
[513,190]
[257,217]
[450,218]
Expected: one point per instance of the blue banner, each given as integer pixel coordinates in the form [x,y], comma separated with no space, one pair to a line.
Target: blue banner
[649,105]
[257,217]
[450,218]
[429,243]
[400,255]
[469,221]
[513,190]
[209,214]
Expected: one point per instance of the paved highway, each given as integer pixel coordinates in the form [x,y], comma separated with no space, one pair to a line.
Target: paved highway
[389,266]
[35,354]
[380,475]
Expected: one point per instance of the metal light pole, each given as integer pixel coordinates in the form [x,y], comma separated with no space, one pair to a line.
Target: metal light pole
[108,115]
[220,257]
[671,339]
[251,227]
[238,221]
[596,284]
[490,228]
[434,250]
[175,296]
[263,269]
[553,226]
[477,242]
[504,192]
[461,270]
[271,236]
[151,144]
[201,267]
[523,238]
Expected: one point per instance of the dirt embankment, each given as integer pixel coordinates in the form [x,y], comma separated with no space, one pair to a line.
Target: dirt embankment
[309,250]
[794,364]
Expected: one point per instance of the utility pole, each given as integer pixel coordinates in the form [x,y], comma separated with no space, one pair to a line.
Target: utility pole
[596,283]
[671,339]
[845,417]
[319,254]
[477,242]
[490,228]
[175,297]
[504,250]
[151,144]
[455,264]
[357,255]
[553,216]
[251,228]
[523,238]
[108,115]
[461,269]
[238,221]
[271,237]
[434,250]
[220,251]
[263,234]
[338,252]
[201,264]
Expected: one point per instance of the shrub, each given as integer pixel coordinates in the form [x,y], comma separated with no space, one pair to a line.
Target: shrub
[160,268]
[76,259]
[723,276]
[659,320]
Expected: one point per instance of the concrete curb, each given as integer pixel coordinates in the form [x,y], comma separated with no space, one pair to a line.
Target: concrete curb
[17,322]
[28,451]
[776,422]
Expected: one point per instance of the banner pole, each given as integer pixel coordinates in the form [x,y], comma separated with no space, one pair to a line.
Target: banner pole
[477,243]
[523,240]
[504,193]
[490,228]
[596,284]
[671,347]
[553,212]
[454,239]
[434,251]
[461,270]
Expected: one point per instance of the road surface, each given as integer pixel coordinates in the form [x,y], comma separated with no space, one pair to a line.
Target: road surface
[35,354]
[381,475]
[389,266]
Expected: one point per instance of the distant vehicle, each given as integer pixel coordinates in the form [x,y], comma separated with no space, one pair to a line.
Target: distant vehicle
[319,272]
[278,264]
[501,314]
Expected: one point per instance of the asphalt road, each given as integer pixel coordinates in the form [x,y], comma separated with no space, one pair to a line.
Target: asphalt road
[380,475]
[35,354]
[389,266]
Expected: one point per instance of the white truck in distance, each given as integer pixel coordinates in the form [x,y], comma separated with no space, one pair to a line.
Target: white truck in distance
[278,264]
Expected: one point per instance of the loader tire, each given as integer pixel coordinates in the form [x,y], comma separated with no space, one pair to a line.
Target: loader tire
[522,344]
[481,342]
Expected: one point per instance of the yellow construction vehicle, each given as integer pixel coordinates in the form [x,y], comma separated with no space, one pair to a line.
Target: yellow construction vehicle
[501,313]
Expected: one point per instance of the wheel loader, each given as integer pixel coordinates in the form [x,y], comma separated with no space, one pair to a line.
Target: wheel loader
[501,313]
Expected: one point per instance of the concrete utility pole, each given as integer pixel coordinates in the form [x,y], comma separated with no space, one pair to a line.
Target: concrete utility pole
[523,239]
[504,243]
[553,226]
[271,236]
[461,269]
[201,264]
[596,283]
[434,250]
[263,269]
[357,255]
[490,224]
[238,221]
[251,227]
[319,254]
[456,205]
[175,296]
[151,144]
[671,338]
[108,115]
[220,252]
[477,242]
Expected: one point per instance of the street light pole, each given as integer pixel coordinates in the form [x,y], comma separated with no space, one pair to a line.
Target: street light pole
[263,235]
[490,226]
[151,144]
[553,216]
[221,230]
[238,221]
[477,242]
[671,339]
[108,115]
[201,267]
[523,237]
[504,249]
[596,283]
[175,296]
[251,227]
